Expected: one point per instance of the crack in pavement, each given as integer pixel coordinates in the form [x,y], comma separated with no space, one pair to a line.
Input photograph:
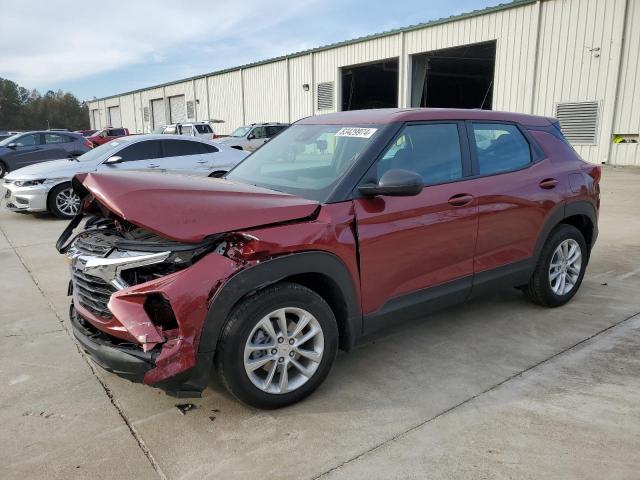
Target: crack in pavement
[404,433]
[134,432]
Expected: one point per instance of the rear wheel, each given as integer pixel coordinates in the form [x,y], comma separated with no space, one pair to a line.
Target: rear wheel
[3,169]
[63,201]
[278,346]
[560,268]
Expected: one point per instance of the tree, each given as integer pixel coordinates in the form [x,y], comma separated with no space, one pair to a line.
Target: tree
[21,109]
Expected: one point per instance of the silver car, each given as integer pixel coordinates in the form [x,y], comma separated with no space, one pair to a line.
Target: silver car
[47,187]
[253,136]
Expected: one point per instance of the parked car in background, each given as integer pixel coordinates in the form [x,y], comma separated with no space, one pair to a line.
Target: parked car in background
[106,135]
[252,137]
[47,186]
[23,149]
[5,134]
[193,129]
[342,224]
[86,133]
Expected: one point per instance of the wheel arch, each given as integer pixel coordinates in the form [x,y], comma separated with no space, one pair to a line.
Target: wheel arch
[53,187]
[581,214]
[322,272]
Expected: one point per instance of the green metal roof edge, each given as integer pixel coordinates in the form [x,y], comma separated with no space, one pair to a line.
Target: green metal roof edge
[388,33]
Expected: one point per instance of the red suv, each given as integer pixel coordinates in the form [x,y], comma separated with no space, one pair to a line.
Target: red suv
[342,224]
[100,137]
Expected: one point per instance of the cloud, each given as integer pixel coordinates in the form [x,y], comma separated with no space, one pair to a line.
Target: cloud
[45,43]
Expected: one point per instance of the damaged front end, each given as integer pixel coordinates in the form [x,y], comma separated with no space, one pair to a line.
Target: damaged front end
[149,261]
[139,300]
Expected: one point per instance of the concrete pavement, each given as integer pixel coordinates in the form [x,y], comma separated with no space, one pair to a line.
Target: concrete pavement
[494,388]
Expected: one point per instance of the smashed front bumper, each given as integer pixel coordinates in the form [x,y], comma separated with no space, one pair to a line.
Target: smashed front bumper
[25,199]
[149,331]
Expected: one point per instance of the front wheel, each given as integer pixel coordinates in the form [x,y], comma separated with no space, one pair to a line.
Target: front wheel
[278,346]
[3,169]
[560,267]
[63,201]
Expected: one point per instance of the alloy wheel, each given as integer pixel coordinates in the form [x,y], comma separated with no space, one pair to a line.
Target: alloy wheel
[565,267]
[284,350]
[68,202]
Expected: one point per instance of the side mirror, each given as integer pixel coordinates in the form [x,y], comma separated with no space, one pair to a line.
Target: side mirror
[395,183]
[12,145]
[112,160]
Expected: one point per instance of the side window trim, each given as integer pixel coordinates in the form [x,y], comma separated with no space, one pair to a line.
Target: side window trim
[535,152]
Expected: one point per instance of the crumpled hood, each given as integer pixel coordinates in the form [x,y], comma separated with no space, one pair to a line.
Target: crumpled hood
[64,168]
[188,209]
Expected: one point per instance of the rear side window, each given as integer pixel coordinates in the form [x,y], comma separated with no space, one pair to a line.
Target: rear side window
[500,148]
[178,148]
[50,138]
[259,132]
[140,151]
[203,128]
[432,150]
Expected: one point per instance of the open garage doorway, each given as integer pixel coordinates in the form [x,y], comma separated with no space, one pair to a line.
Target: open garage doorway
[374,85]
[460,77]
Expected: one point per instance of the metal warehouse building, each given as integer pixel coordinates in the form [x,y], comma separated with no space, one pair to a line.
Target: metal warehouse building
[578,60]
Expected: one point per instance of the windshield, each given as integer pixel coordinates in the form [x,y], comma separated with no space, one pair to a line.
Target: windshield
[9,140]
[158,130]
[305,160]
[240,132]
[102,152]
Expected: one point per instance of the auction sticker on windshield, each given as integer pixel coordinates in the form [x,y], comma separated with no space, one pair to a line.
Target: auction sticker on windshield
[356,132]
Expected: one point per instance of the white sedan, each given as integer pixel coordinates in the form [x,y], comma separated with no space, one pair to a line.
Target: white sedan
[47,186]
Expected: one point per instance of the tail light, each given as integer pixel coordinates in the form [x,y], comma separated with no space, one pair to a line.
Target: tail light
[88,144]
[214,136]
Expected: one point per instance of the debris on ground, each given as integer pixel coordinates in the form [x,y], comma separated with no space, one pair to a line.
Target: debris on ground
[183,408]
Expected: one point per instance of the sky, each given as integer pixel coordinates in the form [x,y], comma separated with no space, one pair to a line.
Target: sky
[96,49]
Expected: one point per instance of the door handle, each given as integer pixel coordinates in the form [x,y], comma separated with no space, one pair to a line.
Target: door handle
[548,183]
[201,161]
[461,199]
[153,165]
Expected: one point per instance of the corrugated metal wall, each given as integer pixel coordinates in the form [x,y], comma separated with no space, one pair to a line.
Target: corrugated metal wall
[627,115]
[572,69]
[547,52]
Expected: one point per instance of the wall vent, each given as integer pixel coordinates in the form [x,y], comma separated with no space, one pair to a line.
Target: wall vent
[579,121]
[190,109]
[145,114]
[325,96]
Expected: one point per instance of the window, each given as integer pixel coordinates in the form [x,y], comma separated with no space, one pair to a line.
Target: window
[178,148]
[28,140]
[305,160]
[185,129]
[140,151]
[431,150]
[50,138]
[208,148]
[500,147]
[273,131]
[116,132]
[259,132]
[170,130]
[203,128]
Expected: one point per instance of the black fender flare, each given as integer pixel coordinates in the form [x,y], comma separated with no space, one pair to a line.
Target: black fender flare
[560,213]
[273,271]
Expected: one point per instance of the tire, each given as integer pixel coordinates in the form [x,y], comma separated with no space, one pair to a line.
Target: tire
[546,286]
[3,169]
[244,330]
[55,203]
